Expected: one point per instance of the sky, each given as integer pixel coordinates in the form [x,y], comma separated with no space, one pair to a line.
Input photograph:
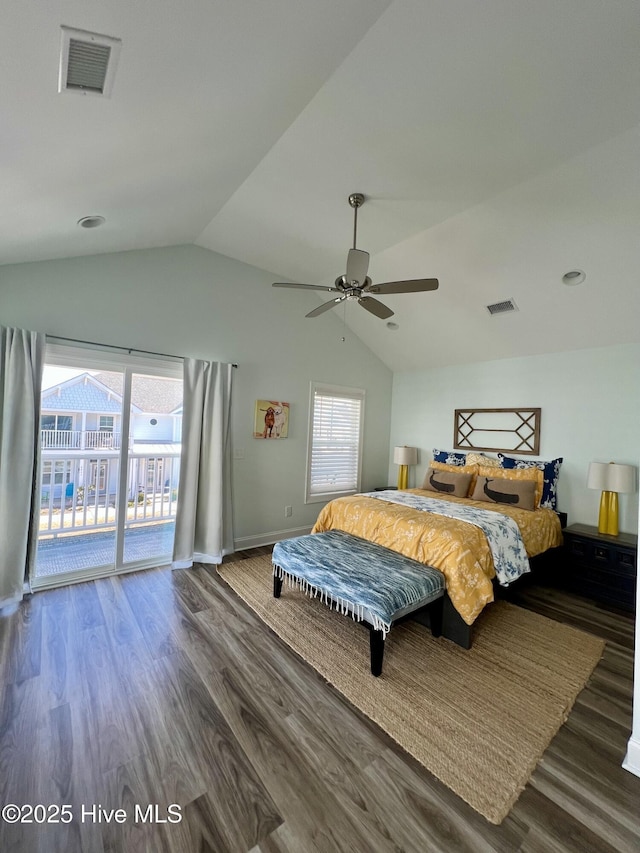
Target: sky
[54,375]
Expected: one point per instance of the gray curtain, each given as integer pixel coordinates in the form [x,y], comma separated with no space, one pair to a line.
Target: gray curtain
[21,363]
[204,523]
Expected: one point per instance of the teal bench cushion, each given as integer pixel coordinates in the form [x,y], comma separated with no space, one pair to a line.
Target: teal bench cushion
[361,578]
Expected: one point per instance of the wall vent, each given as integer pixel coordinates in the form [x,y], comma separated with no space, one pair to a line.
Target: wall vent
[87,62]
[502,307]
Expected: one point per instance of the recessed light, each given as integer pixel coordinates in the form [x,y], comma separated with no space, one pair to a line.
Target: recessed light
[573,277]
[393,326]
[91,221]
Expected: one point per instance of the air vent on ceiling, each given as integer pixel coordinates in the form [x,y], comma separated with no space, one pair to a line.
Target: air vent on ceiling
[502,307]
[87,62]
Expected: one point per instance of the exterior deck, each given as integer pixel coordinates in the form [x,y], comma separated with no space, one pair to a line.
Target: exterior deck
[77,551]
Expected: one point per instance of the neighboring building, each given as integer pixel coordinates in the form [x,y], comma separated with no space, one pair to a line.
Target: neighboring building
[83,416]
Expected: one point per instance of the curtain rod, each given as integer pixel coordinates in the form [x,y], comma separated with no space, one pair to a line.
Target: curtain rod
[130,350]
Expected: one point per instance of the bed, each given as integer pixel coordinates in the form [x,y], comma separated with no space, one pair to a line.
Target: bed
[460,550]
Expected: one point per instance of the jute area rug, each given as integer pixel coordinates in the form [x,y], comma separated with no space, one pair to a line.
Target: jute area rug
[479,720]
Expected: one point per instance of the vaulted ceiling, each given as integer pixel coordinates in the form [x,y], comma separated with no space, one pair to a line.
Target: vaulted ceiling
[497,144]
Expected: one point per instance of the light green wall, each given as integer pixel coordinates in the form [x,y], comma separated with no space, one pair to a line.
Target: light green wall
[590,401]
[188,301]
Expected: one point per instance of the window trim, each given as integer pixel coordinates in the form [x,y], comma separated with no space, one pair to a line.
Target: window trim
[338,391]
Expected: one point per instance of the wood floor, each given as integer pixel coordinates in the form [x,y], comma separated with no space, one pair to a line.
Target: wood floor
[163,688]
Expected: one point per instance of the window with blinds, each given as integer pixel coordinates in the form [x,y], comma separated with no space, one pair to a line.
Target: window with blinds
[335,441]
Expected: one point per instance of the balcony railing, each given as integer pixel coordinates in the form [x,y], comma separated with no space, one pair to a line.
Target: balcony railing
[79,493]
[68,439]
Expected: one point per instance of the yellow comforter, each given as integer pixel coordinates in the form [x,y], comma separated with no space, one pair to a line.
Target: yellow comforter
[458,549]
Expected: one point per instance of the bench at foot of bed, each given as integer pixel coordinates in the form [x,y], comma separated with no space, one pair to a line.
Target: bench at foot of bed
[360,579]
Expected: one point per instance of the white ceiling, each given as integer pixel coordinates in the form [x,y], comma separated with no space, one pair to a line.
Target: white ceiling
[496,142]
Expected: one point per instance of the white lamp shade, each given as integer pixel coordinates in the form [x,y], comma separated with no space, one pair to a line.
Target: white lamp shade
[611,477]
[405,455]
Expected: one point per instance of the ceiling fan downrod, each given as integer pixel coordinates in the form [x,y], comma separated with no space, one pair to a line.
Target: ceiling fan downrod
[356,200]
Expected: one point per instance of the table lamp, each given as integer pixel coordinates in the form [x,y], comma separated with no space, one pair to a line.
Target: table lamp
[404,456]
[611,478]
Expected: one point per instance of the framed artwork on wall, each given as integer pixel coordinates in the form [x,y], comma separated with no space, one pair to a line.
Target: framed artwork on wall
[271,419]
[509,430]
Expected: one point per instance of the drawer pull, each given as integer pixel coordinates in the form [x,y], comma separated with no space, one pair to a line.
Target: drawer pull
[626,559]
[601,553]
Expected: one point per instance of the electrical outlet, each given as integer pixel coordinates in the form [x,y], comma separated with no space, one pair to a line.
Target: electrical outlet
[288,511]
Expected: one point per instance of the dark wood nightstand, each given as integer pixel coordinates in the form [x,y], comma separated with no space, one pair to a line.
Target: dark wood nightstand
[600,566]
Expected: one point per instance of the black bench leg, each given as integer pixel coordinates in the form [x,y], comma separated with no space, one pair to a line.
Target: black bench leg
[435,616]
[277,586]
[376,643]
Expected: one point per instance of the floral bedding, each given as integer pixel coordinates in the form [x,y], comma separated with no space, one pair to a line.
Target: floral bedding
[459,549]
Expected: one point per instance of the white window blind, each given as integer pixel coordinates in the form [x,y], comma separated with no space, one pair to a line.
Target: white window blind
[335,441]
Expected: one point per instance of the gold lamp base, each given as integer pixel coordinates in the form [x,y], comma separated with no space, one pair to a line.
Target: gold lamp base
[608,517]
[403,476]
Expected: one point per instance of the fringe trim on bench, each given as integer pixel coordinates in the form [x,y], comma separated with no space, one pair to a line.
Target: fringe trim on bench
[342,605]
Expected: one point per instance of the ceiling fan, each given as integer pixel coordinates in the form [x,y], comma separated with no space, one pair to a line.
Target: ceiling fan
[355,285]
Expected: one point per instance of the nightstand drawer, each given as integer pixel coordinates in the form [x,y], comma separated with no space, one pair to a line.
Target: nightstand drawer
[625,562]
[600,566]
[589,551]
[602,554]
[617,584]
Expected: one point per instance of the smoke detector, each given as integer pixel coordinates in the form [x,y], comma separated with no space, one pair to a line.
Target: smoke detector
[87,62]
[502,307]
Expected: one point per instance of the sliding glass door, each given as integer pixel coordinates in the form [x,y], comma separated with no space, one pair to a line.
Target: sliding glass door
[152,468]
[110,445]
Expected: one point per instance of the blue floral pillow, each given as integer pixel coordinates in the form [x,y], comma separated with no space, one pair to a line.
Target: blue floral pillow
[449,457]
[550,471]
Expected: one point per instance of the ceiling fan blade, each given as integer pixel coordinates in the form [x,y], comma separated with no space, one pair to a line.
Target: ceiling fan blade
[416,285]
[324,307]
[357,265]
[306,286]
[375,307]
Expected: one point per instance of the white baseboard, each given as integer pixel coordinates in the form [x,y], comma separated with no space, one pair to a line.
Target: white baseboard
[274,536]
[632,758]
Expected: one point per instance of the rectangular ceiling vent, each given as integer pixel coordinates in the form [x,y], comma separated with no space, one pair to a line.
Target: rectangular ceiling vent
[87,62]
[502,307]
